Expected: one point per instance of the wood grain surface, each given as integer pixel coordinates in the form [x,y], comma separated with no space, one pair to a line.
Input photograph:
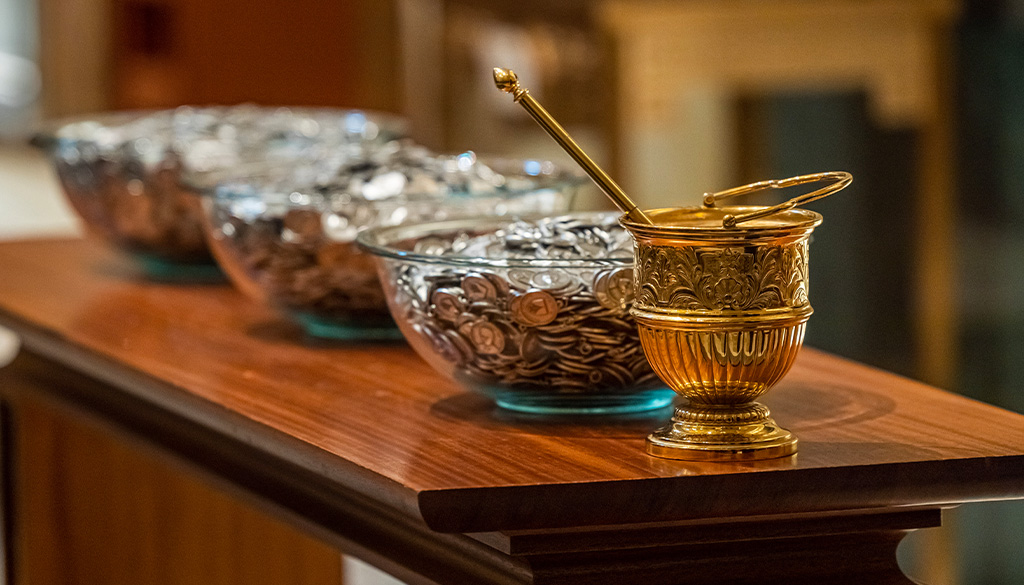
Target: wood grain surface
[112,513]
[376,420]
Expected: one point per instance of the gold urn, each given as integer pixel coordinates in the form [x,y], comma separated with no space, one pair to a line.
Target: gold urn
[722,305]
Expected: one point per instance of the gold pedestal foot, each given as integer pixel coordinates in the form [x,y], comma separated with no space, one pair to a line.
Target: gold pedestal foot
[722,433]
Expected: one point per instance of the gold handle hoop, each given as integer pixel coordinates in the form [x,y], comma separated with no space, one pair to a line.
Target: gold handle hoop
[841,179]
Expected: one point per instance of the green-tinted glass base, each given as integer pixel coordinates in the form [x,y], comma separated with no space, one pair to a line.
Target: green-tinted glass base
[582,404]
[383,329]
[162,270]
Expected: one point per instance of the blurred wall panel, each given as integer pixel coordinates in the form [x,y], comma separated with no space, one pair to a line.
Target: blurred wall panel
[304,52]
[421,29]
[74,56]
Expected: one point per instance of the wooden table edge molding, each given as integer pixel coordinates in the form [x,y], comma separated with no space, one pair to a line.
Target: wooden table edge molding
[174,401]
[836,514]
[439,509]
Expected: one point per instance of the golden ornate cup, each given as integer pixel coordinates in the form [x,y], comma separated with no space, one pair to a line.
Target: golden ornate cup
[721,304]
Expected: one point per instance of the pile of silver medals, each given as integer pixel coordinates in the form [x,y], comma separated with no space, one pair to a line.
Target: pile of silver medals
[302,249]
[537,327]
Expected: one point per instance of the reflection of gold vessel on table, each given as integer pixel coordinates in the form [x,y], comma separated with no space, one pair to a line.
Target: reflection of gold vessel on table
[721,303]
[722,312]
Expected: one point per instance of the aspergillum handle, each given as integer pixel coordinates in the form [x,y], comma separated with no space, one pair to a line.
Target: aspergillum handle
[507,81]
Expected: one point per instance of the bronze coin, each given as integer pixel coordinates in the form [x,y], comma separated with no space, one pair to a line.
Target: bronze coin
[303,223]
[534,308]
[459,342]
[531,349]
[487,338]
[447,304]
[478,288]
[501,285]
[552,280]
[335,253]
[442,345]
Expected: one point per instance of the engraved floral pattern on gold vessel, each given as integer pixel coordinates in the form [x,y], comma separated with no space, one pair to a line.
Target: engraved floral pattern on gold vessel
[723,279]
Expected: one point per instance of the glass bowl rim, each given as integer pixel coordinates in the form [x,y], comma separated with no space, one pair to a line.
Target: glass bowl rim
[378,241]
[254,186]
[47,135]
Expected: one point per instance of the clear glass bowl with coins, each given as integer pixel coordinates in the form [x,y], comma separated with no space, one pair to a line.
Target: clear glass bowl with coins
[133,177]
[289,238]
[533,313]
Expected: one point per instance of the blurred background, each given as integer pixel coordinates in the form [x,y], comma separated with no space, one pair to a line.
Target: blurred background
[919,268]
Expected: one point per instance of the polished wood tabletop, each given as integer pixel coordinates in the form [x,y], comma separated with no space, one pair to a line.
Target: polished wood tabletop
[375,420]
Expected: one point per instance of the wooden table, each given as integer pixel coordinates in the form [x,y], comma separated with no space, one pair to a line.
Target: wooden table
[365,447]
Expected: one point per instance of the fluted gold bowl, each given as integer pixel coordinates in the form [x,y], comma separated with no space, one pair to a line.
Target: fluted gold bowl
[721,313]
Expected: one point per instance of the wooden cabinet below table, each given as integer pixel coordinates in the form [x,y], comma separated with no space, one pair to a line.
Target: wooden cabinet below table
[93,507]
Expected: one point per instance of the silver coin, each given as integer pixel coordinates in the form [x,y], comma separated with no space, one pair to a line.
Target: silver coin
[563,239]
[431,246]
[520,277]
[447,303]
[613,289]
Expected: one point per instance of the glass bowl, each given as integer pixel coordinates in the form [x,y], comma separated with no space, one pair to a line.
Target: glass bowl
[534,314]
[133,176]
[288,237]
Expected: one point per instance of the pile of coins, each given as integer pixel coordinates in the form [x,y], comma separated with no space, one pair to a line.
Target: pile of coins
[401,169]
[298,266]
[124,173]
[553,318]
[293,236]
[141,209]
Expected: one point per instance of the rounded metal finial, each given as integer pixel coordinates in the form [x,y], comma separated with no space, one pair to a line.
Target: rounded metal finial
[508,82]
[505,79]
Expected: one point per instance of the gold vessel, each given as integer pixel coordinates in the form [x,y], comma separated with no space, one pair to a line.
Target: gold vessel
[721,304]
